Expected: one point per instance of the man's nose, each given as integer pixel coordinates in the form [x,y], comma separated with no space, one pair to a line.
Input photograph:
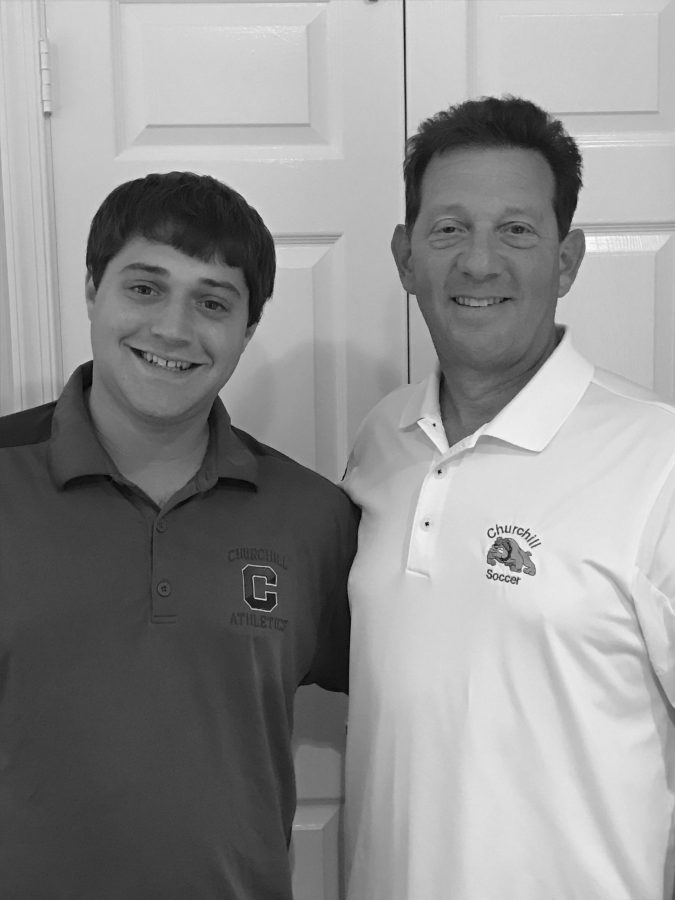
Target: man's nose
[173,320]
[480,258]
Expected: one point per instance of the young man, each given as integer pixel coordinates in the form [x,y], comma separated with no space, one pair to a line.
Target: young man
[511,729]
[166,582]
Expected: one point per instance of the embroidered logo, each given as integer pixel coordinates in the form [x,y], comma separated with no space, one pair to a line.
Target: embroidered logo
[260,584]
[263,589]
[257,555]
[507,552]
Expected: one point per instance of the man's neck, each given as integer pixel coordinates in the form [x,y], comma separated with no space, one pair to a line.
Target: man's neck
[470,398]
[158,457]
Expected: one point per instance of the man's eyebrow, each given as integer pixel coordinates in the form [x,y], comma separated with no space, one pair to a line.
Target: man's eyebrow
[446,207]
[224,285]
[524,210]
[461,209]
[146,267]
[165,273]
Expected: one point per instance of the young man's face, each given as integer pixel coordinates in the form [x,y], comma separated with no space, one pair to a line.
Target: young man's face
[485,260]
[167,331]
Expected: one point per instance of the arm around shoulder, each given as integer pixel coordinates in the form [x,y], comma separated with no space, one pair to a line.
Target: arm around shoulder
[654,586]
[330,667]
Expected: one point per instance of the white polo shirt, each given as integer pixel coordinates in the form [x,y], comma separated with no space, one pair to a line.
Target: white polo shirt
[511,730]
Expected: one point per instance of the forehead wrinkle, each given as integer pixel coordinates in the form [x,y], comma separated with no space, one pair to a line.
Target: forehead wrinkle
[462,178]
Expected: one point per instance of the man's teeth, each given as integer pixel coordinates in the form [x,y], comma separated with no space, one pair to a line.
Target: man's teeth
[165,363]
[478,301]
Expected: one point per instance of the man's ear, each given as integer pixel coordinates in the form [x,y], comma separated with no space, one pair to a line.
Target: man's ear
[400,247]
[571,252]
[250,331]
[89,292]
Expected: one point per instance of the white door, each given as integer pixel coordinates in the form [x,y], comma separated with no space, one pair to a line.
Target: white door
[288,104]
[607,69]
[269,97]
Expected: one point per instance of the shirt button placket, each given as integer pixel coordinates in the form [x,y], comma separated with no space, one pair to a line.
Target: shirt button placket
[163,605]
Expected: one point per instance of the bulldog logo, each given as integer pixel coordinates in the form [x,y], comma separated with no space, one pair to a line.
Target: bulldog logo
[507,552]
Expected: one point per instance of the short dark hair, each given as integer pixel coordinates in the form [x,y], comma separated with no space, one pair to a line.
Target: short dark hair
[195,214]
[496,122]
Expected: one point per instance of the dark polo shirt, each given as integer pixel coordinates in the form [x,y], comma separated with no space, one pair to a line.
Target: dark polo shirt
[149,658]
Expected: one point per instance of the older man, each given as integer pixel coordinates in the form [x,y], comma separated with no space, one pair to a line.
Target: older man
[511,729]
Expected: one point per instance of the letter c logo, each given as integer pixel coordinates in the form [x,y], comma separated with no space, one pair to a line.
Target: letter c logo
[258,581]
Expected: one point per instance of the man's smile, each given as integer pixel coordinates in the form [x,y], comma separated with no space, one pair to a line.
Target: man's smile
[466,300]
[163,362]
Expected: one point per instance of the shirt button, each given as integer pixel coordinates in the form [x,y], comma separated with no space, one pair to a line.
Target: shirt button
[439,473]
[161,526]
[163,588]
[426,524]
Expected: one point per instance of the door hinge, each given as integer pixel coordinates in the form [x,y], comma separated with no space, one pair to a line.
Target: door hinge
[45,78]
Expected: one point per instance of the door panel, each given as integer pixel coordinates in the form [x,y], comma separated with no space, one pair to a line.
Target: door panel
[622,307]
[605,68]
[268,97]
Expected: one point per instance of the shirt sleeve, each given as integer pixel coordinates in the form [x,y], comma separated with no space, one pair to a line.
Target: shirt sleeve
[654,586]
[330,666]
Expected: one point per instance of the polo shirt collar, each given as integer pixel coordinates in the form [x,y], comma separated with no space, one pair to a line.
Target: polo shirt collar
[534,415]
[423,402]
[74,450]
[226,449]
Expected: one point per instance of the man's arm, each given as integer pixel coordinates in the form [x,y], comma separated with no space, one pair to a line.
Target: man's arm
[654,585]
[330,667]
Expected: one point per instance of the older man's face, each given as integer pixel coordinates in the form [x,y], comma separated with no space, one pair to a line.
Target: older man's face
[484,258]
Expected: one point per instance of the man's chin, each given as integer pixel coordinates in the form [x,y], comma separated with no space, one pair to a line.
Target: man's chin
[166,412]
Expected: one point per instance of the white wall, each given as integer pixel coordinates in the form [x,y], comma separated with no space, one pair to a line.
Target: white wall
[6,385]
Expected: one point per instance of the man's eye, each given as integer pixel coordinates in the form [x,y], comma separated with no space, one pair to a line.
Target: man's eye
[145,290]
[446,234]
[519,235]
[447,228]
[213,305]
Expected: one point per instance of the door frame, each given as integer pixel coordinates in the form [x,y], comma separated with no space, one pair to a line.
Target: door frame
[30,341]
